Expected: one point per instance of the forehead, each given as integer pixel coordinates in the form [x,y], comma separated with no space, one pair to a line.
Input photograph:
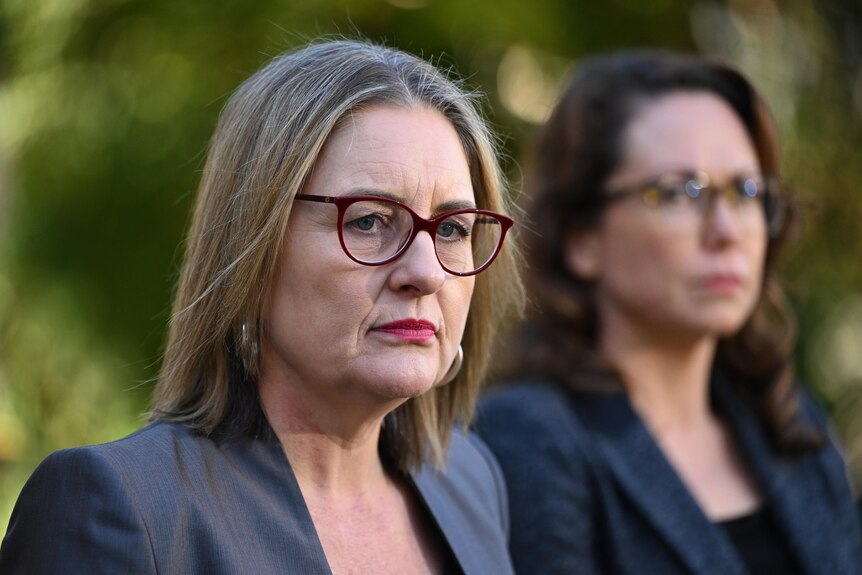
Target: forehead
[687,130]
[413,153]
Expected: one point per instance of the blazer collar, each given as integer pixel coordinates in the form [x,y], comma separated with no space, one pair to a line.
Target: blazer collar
[653,486]
[264,460]
[473,532]
[798,490]
[476,554]
[790,486]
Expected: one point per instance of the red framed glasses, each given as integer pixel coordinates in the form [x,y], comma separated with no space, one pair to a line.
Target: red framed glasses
[374,231]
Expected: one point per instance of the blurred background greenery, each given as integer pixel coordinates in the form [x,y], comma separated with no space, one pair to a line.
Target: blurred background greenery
[106,107]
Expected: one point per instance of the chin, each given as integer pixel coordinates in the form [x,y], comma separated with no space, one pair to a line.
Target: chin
[721,318]
[400,392]
[723,325]
[402,382]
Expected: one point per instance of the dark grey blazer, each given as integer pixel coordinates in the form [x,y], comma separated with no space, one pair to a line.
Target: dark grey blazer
[591,492]
[166,500]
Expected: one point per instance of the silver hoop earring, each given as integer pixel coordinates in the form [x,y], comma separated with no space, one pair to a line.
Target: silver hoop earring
[248,350]
[455,368]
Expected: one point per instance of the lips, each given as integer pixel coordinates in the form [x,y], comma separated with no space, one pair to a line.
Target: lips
[410,330]
[721,283]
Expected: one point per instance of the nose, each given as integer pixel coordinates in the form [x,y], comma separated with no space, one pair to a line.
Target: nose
[418,269]
[721,222]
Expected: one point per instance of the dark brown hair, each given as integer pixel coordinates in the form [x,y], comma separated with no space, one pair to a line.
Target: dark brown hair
[574,155]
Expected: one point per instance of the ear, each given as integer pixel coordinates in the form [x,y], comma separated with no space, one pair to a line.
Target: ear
[581,254]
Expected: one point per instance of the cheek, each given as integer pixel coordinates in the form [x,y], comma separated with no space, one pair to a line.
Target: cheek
[321,298]
[642,261]
[455,303]
[756,252]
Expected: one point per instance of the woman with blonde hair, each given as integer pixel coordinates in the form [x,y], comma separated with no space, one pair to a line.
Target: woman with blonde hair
[331,326]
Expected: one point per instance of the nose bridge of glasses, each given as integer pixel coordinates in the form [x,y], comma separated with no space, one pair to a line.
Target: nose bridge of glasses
[421,247]
[721,215]
[710,194]
[417,224]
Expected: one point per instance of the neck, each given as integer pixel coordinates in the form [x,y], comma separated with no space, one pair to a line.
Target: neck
[666,379]
[331,450]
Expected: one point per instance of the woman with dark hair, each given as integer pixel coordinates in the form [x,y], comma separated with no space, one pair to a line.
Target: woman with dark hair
[344,272]
[651,423]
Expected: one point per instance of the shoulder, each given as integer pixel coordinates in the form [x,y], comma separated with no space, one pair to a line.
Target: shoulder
[536,433]
[122,477]
[523,405]
[530,422]
[525,396]
[832,456]
[157,442]
[148,451]
[141,456]
[156,453]
[81,501]
[811,409]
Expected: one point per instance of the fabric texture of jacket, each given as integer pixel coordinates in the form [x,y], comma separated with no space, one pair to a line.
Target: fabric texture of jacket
[591,491]
[167,500]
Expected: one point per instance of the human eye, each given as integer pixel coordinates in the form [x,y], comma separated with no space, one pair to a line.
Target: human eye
[365,223]
[749,189]
[675,190]
[367,217]
[455,228]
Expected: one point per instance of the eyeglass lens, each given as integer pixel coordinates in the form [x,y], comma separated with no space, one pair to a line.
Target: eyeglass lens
[374,232]
[752,197]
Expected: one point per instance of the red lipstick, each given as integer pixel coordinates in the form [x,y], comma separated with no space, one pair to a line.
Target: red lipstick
[409,330]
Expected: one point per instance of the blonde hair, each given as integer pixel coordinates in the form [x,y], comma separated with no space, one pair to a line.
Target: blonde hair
[269,136]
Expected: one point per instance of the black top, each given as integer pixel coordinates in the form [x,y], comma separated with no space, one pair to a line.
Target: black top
[761,546]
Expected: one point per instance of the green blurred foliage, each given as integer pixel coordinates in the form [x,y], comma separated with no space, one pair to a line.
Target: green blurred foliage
[106,107]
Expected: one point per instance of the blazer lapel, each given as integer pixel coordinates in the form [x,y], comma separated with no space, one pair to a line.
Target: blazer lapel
[472,532]
[266,460]
[652,485]
[798,490]
[450,496]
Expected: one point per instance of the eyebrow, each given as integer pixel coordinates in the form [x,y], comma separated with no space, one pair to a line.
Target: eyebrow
[444,207]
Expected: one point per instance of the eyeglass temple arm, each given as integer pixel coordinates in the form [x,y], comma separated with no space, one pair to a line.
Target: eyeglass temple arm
[311,198]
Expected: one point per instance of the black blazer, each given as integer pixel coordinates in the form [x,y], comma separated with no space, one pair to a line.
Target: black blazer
[591,492]
[167,500]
